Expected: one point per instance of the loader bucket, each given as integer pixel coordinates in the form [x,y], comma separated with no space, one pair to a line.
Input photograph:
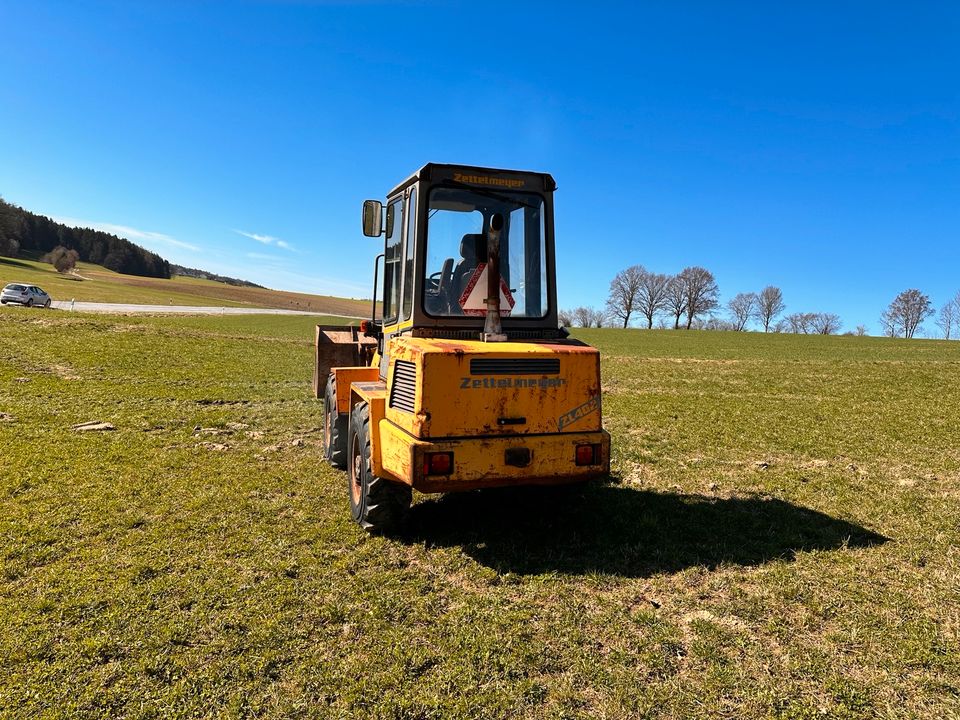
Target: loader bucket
[339,346]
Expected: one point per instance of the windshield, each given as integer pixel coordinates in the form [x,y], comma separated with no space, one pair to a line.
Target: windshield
[456,252]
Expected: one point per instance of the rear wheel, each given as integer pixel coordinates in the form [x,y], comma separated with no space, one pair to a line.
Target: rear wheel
[377,505]
[29,302]
[334,428]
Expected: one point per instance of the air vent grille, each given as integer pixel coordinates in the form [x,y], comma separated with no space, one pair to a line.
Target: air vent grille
[403,392]
[515,366]
[512,333]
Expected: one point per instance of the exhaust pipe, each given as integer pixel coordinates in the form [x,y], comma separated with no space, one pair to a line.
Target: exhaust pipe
[492,329]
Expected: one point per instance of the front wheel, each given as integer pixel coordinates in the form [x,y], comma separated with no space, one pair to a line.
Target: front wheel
[30,302]
[378,505]
[47,305]
[334,428]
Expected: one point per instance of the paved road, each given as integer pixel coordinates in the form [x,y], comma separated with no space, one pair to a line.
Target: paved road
[178,309]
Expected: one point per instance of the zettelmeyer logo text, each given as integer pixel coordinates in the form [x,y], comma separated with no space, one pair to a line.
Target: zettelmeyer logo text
[469,383]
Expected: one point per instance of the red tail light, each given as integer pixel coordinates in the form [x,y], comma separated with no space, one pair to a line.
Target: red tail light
[588,455]
[438,463]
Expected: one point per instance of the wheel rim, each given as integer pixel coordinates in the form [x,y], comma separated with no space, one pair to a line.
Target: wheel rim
[356,474]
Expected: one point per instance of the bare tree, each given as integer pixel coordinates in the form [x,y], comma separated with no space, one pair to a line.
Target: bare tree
[652,295]
[701,292]
[566,318]
[769,305]
[623,292]
[825,323]
[713,323]
[598,317]
[676,302]
[949,317]
[807,323]
[582,316]
[946,320]
[798,323]
[861,330]
[63,259]
[905,314]
[741,309]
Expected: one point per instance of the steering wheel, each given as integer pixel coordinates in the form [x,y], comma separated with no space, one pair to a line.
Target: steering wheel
[446,277]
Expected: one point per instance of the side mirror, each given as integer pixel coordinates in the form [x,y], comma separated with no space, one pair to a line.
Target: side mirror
[372,218]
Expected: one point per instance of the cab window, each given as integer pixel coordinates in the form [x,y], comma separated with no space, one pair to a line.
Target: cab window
[391,262]
[408,254]
[456,247]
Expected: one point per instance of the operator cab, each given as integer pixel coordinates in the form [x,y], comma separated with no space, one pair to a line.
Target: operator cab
[437,226]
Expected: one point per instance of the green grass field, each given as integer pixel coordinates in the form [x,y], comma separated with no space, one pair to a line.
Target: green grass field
[780,538]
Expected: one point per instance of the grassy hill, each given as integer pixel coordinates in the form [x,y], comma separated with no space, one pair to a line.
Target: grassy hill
[778,538]
[94,283]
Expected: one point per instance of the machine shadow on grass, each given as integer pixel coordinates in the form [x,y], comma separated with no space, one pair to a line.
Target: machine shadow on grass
[616,530]
[15,263]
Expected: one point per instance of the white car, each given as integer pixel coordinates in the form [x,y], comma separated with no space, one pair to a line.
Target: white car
[24,294]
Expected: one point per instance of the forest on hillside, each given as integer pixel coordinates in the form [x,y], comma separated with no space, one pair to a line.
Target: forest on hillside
[22,231]
[204,275]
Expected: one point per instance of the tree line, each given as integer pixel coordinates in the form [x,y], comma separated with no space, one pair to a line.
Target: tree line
[690,300]
[24,232]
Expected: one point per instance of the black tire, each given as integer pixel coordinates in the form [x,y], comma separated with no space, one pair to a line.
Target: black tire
[334,428]
[47,305]
[379,506]
[30,302]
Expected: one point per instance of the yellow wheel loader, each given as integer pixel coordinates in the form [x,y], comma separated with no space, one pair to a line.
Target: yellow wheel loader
[466,380]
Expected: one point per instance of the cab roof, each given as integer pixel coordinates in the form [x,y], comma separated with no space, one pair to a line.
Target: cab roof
[480,176]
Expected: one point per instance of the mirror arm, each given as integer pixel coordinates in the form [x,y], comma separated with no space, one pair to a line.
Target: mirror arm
[374,326]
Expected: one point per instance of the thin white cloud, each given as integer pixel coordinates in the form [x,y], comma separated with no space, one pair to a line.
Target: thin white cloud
[277,276]
[265,239]
[130,233]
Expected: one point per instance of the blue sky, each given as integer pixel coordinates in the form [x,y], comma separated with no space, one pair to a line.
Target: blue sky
[813,146]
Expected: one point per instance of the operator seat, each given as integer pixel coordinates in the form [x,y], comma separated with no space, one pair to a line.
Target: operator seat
[473,251]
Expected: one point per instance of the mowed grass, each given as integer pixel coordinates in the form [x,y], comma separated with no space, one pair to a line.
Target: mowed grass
[779,538]
[93,283]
